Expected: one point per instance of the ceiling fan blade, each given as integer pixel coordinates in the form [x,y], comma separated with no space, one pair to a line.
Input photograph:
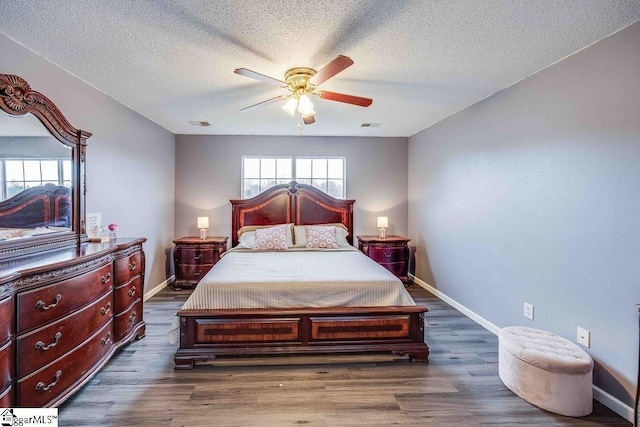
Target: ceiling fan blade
[340,63]
[349,99]
[309,120]
[258,76]
[263,104]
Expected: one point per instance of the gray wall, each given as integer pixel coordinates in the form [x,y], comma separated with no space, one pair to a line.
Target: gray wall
[209,174]
[130,160]
[534,195]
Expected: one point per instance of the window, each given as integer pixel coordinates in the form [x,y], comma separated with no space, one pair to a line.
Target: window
[325,173]
[20,174]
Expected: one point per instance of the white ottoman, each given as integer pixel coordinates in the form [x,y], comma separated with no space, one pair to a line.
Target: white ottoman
[546,370]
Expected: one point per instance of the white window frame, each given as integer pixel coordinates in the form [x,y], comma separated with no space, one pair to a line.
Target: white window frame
[5,182]
[293,170]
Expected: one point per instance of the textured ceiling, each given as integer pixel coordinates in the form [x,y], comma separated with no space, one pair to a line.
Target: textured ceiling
[420,61]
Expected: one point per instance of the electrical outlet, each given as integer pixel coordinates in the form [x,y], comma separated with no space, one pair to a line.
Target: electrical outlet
[584,337]
[528,310]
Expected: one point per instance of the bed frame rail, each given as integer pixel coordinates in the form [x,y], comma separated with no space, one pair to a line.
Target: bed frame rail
[206,334]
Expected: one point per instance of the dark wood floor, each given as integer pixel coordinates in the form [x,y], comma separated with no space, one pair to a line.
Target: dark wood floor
[460,385]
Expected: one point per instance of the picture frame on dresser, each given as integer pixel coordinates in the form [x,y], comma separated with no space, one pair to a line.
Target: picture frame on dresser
[66,305]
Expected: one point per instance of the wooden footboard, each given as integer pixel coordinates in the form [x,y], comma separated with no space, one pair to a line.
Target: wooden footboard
[205,334]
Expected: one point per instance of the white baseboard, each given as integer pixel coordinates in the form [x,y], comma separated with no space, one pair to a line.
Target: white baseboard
[158,288]
[611,402]
[461,308]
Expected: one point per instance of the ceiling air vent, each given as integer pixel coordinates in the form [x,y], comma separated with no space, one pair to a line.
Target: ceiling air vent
[196,123]
[371,125]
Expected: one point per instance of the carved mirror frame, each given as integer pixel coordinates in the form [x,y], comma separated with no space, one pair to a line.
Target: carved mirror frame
[18,99]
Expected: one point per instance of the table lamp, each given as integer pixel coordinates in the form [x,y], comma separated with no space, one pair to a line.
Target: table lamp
[383,224]
[203,224]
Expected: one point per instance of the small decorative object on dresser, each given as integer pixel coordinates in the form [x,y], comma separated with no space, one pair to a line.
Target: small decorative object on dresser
[194,257]
[392,252]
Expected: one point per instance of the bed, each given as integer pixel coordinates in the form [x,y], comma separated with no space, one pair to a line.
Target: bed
[36,211]
[326,301]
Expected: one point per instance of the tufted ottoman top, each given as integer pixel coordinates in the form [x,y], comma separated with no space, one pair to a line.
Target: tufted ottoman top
[545,350]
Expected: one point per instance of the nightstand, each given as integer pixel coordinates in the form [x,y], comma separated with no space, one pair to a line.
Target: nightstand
[194,257]
[392,252]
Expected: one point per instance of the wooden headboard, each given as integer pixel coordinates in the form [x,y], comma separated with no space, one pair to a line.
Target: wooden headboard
[300,204]
[46,206]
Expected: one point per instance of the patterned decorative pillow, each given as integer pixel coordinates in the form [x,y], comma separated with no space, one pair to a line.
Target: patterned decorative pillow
[271,238]
[321,236]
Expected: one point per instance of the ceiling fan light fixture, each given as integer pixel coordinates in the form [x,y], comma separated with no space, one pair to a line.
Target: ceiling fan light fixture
[290,106]
[305,106]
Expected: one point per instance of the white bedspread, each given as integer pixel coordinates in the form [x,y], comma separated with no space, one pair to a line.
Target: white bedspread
[343,277]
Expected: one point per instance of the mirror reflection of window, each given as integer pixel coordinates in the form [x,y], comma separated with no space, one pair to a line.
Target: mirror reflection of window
[32,160]
[20,174]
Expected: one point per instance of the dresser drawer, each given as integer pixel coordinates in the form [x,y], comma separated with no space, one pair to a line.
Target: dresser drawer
[6,398]
[128,293]
[46,344]
[6,365]
[47,384]
[128,267]
[43,305]
[127,320]
[6,319]
[388,253]
[196,255]
[192,273]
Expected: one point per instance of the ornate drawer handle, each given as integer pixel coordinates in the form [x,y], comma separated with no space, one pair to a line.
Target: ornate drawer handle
[40,345]
[132,291]
[42,387]
[106,278]
[132,318]
[106,340]
[387,254]
[132,265]
[197,273]
[197,256]
[41,305]
[106,308]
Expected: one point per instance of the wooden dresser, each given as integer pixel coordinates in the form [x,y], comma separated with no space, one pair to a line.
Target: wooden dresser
[194,257]
[392,252]
[63,314]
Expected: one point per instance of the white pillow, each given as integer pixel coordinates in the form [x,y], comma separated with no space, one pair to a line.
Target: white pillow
[300,234]
[271,238]
[247,240]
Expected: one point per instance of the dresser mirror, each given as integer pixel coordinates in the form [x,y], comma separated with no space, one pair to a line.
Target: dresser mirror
[42,164]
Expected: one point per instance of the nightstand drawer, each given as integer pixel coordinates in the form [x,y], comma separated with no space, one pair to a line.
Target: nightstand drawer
[397,268]
[192,272]
[196,256]
[388,253]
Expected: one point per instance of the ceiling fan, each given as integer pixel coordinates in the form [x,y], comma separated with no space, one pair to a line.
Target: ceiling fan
[301,82]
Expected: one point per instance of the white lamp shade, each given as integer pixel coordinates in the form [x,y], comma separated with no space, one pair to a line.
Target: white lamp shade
[383,222]
[290,106]
[203,222]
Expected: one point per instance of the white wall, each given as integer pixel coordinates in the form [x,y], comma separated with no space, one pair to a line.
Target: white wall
[209,174]
[130,160]
[534,195]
